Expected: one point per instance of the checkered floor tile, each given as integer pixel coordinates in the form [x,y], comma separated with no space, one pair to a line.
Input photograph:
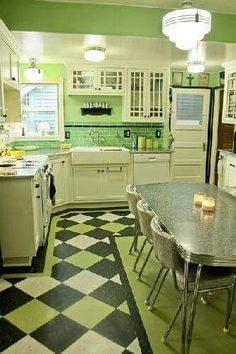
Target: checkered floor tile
[83,307]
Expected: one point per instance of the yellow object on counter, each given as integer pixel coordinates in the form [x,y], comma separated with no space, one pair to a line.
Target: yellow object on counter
[17,154]
[141,142]
[155,144]
[149,143]
[65,146]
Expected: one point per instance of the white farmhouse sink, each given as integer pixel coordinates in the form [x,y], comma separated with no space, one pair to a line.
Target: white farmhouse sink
[99,155]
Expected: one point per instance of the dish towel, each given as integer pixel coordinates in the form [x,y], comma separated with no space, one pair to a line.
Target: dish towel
[52,189]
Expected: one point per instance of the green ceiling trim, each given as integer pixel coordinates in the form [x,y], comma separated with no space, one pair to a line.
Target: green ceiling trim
[31,15]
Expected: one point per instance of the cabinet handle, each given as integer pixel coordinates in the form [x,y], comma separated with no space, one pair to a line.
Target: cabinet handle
[99,88]
[98,171]
[63,161]
[37,185]
[232,165]
[4,116]
[145,116]
[13,78]
[38,196]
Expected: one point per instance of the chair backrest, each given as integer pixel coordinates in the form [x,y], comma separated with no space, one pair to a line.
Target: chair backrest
[165,248]
[145,215]
[133,197]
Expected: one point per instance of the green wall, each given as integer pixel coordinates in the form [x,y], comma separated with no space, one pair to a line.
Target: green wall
[31,15]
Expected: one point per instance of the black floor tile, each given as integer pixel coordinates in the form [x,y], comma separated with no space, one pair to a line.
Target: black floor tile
[118,327]
[94,214]
[59,333]
[125,221]
[9,334]
[121,212]
[66,223]
[105,268]
[64,235]
[61,297]
[63,271]
[128,231]
[64,251]
[99,233]
[102,249]
[111,293]
[126,351]
[96,222]
[14,281]
[12,298]
[66,216]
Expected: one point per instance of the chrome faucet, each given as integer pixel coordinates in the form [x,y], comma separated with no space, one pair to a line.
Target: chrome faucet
[96,139]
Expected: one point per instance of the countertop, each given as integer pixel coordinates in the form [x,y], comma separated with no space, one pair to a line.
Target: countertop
[227,152]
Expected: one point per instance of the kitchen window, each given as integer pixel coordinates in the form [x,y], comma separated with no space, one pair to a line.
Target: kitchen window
[42,110]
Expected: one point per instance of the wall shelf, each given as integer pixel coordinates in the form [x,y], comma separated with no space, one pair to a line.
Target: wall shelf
[96,111]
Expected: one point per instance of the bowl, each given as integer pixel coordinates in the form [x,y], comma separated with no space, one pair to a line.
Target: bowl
[17,154]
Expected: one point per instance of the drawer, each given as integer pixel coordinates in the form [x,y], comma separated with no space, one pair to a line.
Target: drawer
[151,157]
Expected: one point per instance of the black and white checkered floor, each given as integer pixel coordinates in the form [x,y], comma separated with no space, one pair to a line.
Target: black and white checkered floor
[86,306]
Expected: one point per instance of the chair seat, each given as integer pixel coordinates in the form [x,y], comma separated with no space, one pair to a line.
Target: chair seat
[211,277]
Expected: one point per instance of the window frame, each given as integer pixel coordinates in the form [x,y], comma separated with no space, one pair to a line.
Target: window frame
[61,131]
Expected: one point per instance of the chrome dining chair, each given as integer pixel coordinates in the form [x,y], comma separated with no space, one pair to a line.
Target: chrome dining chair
[145,215]
[212,278]
[133,197]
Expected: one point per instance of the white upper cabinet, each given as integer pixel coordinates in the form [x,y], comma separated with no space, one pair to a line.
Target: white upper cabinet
[95,81]
[229,107]
[146,96]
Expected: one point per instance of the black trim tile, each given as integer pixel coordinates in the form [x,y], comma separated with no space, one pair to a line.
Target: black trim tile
[118,327]
[61,297]
[64,270]
[11,299]
[59,333]
[9,334]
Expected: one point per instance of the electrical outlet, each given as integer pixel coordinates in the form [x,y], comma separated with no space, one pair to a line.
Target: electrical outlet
[158,133]
[67,135]
[127,133]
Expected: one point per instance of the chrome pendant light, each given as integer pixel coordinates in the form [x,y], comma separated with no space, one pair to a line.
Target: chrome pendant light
[186,26]
[94,53]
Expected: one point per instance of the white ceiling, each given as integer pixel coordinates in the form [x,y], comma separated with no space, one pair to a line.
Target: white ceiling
[225,6]
[68,48]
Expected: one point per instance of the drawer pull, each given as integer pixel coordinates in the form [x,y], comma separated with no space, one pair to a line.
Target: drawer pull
[232,165]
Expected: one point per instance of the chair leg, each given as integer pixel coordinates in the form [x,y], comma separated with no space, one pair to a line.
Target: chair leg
[135,240]
[231,294]
[144,263]
[152,303]
[154,286]
[167,332]
[139,255]
[204,298]
[193,308]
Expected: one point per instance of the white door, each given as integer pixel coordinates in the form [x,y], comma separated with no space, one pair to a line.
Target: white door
[189,125]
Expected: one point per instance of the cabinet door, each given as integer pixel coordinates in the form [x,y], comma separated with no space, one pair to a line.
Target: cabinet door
[229,110]
[115,180]
[111,81]
[59,172]
[136,98]
[87,183]
[5,61]
[156,95]
[83,80]
[14,67]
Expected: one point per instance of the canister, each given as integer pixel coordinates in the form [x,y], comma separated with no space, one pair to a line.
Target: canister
[141,142]
[155,144]
[149,143]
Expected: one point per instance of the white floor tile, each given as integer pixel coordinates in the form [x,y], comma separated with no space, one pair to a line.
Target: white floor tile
[4,284]
[106,240]
[82,241]
[27,345]
[109,217]
[86,282]
[134,347]
[116,279]
[37,286]
[80,218]
[57,242]
[93,343]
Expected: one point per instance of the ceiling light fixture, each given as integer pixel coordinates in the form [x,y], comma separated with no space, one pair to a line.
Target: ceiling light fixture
[33,73]
[94,54]
[186,26]
[196,58]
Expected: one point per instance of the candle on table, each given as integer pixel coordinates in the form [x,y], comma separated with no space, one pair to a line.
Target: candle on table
[198,198]
[208,204]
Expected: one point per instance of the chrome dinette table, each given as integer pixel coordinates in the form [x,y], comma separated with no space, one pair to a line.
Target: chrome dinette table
[203,238]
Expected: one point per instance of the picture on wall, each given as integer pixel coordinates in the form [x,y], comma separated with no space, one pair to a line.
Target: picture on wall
[177,78]
[203,79]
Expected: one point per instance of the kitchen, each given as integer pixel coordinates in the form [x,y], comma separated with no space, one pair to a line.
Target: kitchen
[89,107]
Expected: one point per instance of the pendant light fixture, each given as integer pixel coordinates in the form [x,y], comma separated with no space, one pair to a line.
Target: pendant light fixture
[186,26]
[33,73]
[95,54]
[196,58]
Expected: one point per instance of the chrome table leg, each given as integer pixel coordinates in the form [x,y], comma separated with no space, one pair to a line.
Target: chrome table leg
[184,309]
[154,286]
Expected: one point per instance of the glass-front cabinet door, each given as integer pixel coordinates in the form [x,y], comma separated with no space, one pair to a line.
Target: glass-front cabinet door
[136,95]
[111,80]
[83,80]
[156,95]
[229,111]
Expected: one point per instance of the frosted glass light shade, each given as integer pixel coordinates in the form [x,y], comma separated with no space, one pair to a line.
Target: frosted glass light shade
[94,54]
[196,67]
[186,26]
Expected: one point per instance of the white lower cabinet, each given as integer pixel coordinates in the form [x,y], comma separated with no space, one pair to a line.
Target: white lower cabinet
[99,183]
[61,173]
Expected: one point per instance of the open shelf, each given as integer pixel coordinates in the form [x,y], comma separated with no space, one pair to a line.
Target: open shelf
[96,111]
